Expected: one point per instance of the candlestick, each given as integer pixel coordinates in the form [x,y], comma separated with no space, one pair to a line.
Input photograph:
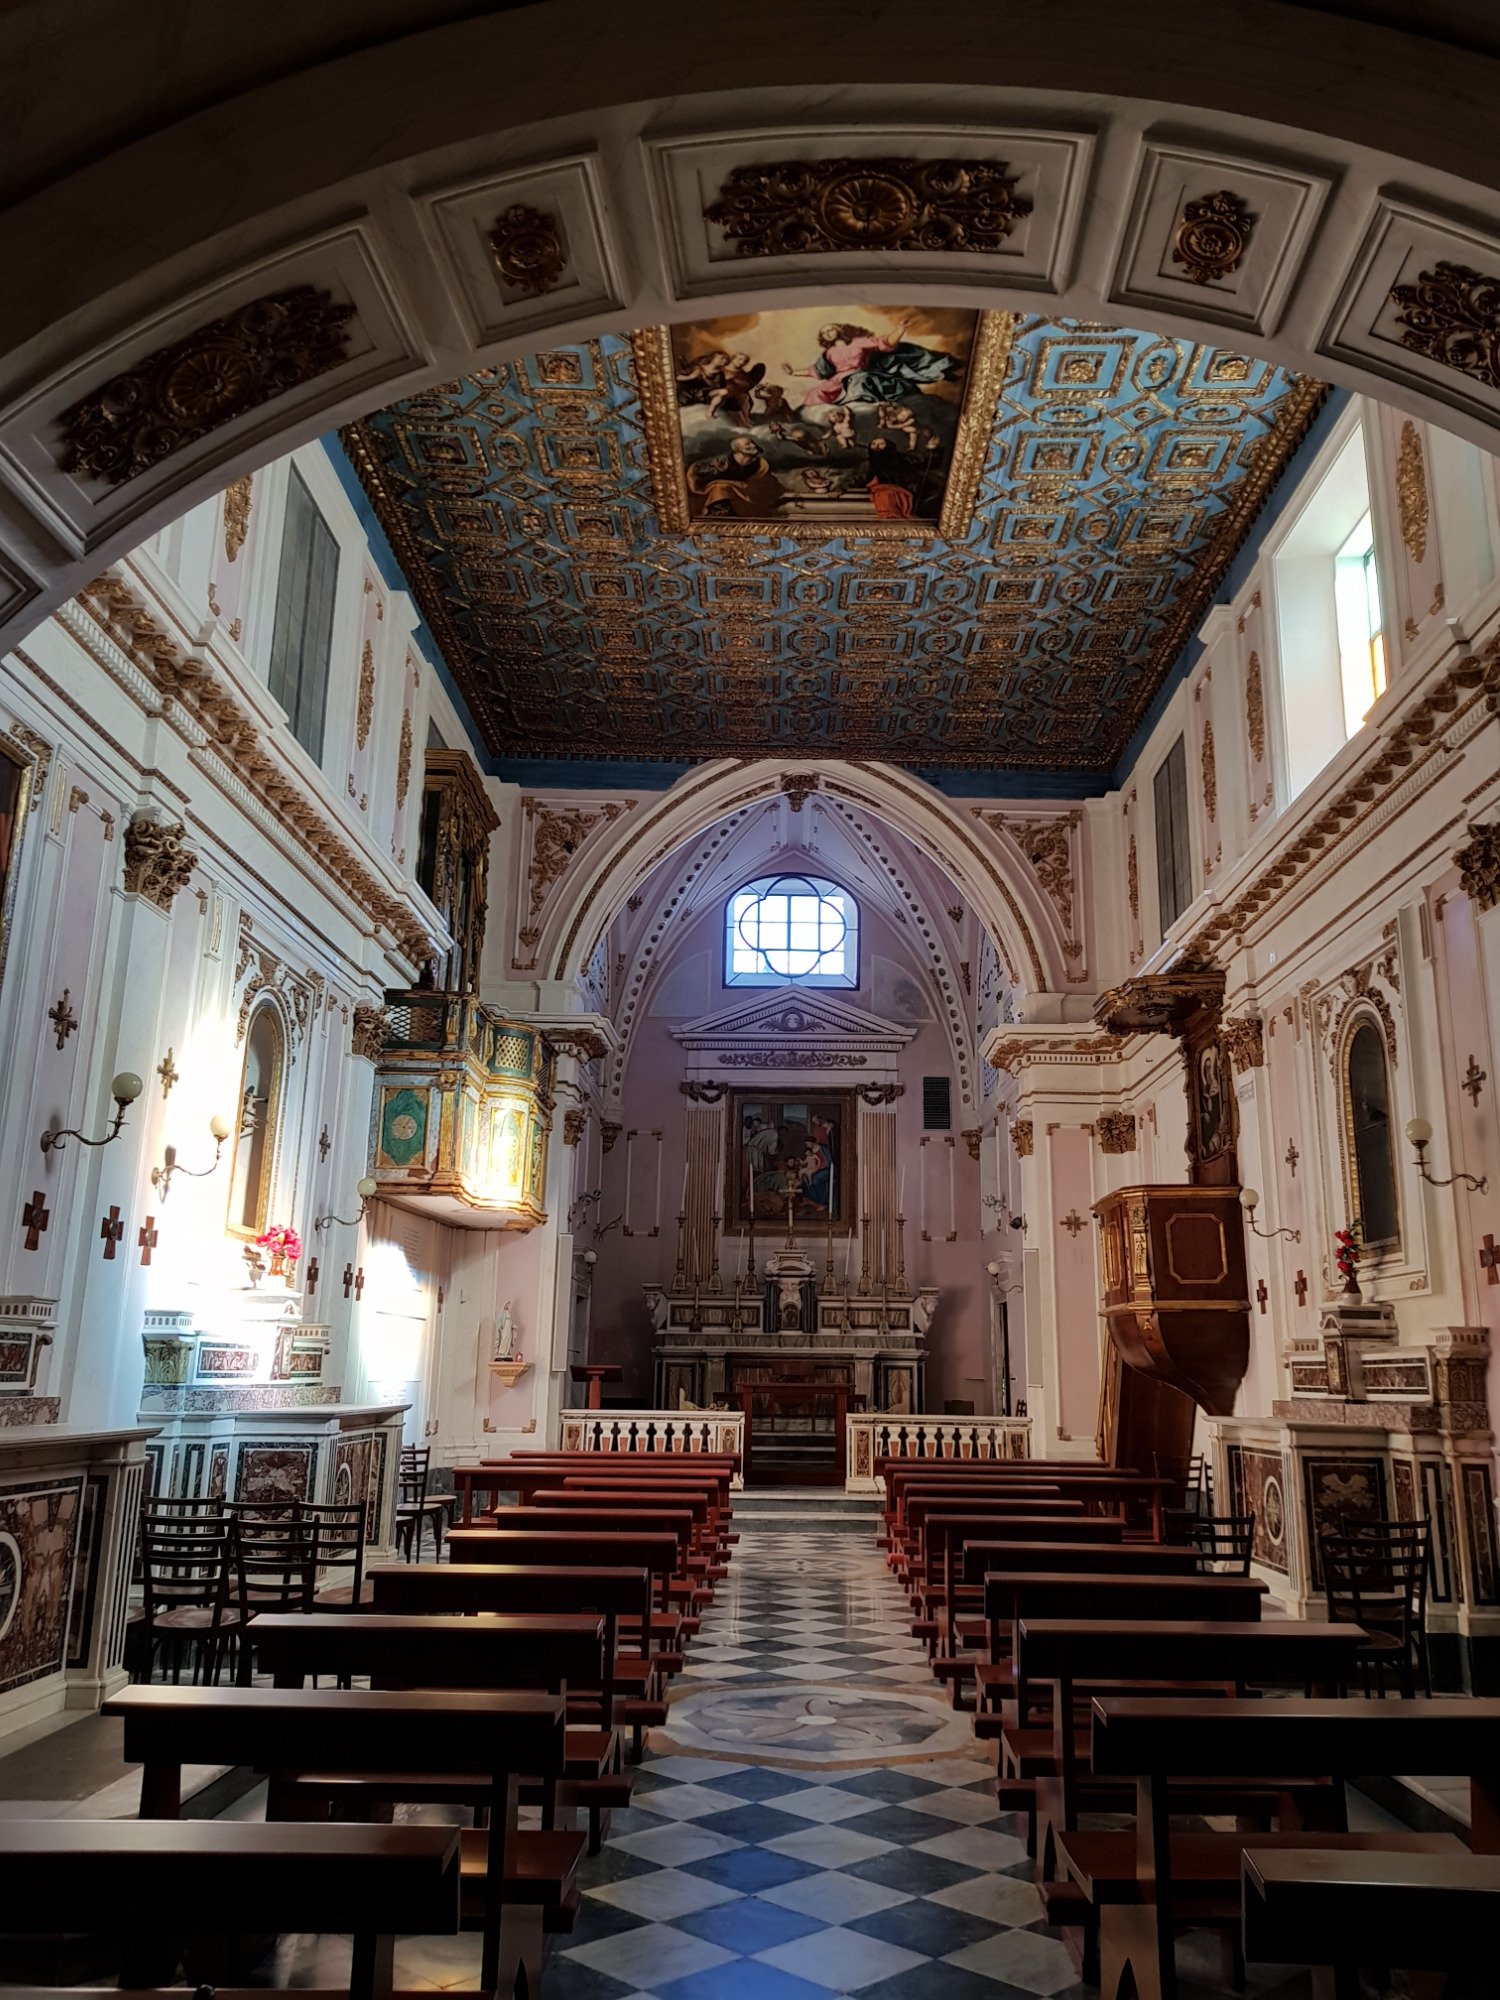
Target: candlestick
[864,1254]
[679,1276]
[900,1253]
[790,1198]
[713,1275]
[828,1266]
[750,1238]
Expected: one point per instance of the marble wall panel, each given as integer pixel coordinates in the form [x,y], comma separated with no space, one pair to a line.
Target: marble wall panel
[38,1539]
[275,1472]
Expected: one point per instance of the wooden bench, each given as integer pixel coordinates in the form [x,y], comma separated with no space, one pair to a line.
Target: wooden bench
[168,1890]
[1322,1906]
[703,1541]
[1177,1878]
[983,1556]
[688,1583]
[515,1884]
[526,1475]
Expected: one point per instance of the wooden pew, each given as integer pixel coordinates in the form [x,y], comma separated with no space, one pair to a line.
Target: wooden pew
[896,1474]
[680,1587]
[663,1484]
[1125,1558]
[524,1473]
[904,1542]
[525,1879]
[171,1889]
[1186,1878]
[588,1499]
[1421,1912]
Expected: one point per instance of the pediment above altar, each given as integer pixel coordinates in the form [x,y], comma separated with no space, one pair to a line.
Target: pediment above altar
[792,1028]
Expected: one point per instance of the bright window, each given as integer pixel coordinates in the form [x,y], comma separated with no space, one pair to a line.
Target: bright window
[791,929]
[1356,597]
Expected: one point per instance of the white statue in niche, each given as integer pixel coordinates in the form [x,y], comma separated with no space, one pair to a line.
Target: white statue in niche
[656,1306]
[504,1345]
[923,1306]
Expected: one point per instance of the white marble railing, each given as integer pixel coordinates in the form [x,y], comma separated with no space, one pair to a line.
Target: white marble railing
[872,1438]
[670,1431]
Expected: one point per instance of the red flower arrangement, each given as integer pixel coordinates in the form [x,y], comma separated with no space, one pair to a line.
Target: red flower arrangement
[1346,1256]
[282,1241]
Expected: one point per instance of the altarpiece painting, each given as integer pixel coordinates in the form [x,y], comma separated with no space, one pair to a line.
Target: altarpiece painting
[797,1144]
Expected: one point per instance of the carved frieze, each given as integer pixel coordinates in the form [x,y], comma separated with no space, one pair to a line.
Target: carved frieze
[557,833]
[403,760]
[1115,1131]
[221,371]
[1048,846]
[1212,236]
[1452,316]
[804,207]
[1210,772]
[157,861]
[584,1042]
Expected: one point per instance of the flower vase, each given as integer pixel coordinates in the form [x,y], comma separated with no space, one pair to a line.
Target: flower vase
[278,1263]
[1351,1287]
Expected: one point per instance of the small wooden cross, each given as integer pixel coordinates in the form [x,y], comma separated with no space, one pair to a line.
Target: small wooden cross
[34,1215]
[1292,1157]
[312,1276]
[1300,1288]
[348,1279]
[147,1238]
[64,1020]
[1489,1258]
[111,1229]
[1473,1082]
[359,1282]
[1261,1294]
[325,1144]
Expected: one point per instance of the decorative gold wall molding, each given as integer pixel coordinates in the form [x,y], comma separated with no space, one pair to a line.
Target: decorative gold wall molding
[529,250]
[365,707]
[233,735]
[237,500]
[1452,316]
[1023,1137]
[583,1042]
[1478,863]
[403,759]
[1017,1050]
[1048,847]
[221,371]
[802,208]
[558,832]
[157,862]
[370,1032]
[1212,236]
[1210,774]
[1244,1042]
[1411,491]
[1115,1131]
[1255,707]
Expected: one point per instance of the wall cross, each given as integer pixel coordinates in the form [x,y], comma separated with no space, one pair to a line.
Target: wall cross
[1474,1078]
[348,1279]
[111,1229]
[1292,1157]
[1489,1258]
[1261,1294]
[147,1238]
[359,1282]
[1301,1288]
[35,1217]
[312,1276]
[64,1020]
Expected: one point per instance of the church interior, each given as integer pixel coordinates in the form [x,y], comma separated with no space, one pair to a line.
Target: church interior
[750,995]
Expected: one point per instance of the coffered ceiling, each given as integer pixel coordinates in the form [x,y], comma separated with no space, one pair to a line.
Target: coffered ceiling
[592,603]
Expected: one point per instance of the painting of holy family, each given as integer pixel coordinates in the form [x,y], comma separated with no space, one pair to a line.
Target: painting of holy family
[818,420]
[802,1145]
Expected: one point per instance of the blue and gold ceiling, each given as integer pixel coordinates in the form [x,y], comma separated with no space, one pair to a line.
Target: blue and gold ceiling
[1112,477]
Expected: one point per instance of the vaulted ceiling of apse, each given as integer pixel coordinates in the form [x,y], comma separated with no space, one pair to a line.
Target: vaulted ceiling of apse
[948,539]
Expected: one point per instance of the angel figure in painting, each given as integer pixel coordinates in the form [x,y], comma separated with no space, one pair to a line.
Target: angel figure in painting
[855,365]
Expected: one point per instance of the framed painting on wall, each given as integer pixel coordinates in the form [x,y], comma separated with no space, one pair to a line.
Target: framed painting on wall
[802,1143]
[18,770]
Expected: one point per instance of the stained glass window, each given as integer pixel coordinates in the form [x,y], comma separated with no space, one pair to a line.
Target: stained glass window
[791,930]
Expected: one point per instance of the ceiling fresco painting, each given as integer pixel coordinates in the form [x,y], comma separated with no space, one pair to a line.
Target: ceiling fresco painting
[542,510]
[819,425]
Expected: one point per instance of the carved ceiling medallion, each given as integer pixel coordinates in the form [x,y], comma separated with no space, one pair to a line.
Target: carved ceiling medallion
[528,249]
[807,207]
[181,393]
[1452,316]
[1212,237]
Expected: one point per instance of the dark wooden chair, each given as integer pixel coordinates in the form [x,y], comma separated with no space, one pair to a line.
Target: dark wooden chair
[417,1507]
[275,1569]
[341,1528]
[187,1602]
[1223,1543]
[1375,1575]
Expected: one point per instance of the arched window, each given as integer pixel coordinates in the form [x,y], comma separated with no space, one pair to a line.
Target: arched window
[1372,1157]
[791,929]
[259,1114]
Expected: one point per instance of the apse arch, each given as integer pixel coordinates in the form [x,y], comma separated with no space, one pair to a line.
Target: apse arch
[368,164]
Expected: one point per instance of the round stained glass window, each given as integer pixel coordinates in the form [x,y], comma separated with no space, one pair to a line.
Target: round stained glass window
[791,927]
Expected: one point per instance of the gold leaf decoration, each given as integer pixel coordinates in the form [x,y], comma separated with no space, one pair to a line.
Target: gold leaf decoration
[365,711]
[1210,775]
[403,760]
[221,371]
[1212,236]
[799,207]
[528,249]
[1452,316]
[236,516]
[1255,707]
[1411,492]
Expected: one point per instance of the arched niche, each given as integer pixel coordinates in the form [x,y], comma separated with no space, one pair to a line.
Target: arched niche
[263,1067]
[1368,1134]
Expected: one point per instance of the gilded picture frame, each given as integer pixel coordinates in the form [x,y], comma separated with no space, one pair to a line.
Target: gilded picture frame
[808,1136]
[659,354]
[21,771]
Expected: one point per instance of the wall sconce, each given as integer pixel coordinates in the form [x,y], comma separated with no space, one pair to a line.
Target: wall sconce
[1250,1202]
[161,1177]
[1420,1133]
[125,1089]
[366,1189]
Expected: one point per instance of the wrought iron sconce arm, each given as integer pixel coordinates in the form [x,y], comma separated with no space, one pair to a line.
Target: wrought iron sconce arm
[125,1089]
[162,1176]
[1250,1202]
[366,1189]
[1420,1134]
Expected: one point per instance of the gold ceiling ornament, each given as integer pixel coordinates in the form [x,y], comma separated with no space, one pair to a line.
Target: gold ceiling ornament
[1210,774]
[403,759]
[796,785]
[221,371]
[1048,845]
[1023,1137]
[1255,707]
[370,1032]
[237,500]
[1478,863]
[557,835]
[1115,1131]
[231,733]
[1451,315]
[1212,236]
[1411,492]
[365,710]
[529,250]
[1245,1042]
[800,208]
[157,863]
[656,380]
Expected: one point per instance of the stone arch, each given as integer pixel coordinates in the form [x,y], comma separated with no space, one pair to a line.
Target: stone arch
[348,154]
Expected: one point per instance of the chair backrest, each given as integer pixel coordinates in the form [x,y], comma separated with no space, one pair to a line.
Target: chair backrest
[276,1564]
[412,1475]
[262,1510]
[183,1510]
[1375,1574]
[1193,1478]
[184,1563]
[1223,1542]
[340,1539]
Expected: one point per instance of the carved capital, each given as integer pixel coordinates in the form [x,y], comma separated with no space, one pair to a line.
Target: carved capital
[609,1131]
[157,863]
[370,1032]
[575,1124]
[973,1140]
[1023,1137]
[1115,1131]
[584,1043]
[1478,865]
[1245,1042]
[707,1092]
